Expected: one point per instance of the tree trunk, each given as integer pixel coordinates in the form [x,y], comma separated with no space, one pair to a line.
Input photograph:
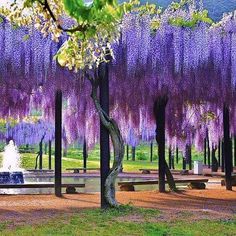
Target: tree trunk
[170,178]
[118,145]
[159,113]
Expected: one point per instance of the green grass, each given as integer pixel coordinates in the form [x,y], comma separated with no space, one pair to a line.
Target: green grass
[74,158]
[125,221]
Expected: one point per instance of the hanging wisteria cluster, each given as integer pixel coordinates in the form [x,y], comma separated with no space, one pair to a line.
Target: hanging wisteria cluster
[194,65]
[192,61]
[30,133]
[29,77]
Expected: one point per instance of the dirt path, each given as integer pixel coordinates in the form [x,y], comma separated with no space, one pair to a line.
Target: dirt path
[194,204]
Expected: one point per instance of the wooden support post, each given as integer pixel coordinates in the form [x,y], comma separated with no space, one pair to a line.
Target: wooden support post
[173,159]
[214,163]
[103,74]
[85,155]
[177,155]
[41,155]
[170,158]
[58,142]
[190,157]
[222,157]
[133,153]
[127,152]
[184,163]
[151,151]
[159,112]
[208,152]
[205,150]
[219,153]
[50,155]
[227,148]
[231,154]
[235,150]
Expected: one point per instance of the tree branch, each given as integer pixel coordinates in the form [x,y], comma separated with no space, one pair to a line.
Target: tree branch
[46,6]
[103,116]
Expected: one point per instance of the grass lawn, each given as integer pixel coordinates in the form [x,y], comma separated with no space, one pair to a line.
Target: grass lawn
[125,221]
[74,158]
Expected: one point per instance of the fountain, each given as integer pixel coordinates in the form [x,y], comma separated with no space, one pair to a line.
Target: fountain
[11,173]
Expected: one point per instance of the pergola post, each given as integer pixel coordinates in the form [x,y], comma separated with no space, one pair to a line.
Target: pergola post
[184,163]
[208,152]
[58,142]
[222,157]
[173,159]
[127,152]
[214,163]
[170,157]
[177,155]
[41,155]
[151,151]
[133,153]
[235,150]
[103,74]
[219,153]
[227,148]
[85,155]
[190,156]
[159,112]
[205,150]
[50,155]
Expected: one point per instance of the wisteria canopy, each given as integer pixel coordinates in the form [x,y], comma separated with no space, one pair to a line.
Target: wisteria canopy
[179,53]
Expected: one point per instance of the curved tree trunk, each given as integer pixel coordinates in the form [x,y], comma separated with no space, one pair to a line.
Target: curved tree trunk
[118,145]
[159,114]
[170,178]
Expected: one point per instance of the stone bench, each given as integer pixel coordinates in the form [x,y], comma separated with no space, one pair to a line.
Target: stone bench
[192,183]
[148,171]
[77,170]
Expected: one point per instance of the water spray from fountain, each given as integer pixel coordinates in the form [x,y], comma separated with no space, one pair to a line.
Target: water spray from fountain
[11,158]
[11,173]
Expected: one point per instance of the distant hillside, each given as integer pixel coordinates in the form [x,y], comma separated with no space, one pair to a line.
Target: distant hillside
[216,8]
